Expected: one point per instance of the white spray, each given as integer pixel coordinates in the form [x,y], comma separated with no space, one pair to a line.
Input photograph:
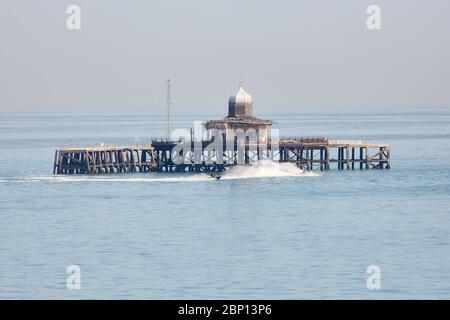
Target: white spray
[267,169]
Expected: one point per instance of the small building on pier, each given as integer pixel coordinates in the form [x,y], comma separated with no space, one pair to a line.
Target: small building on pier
[240,116]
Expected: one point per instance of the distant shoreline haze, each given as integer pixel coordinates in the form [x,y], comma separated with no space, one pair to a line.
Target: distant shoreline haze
[177,111]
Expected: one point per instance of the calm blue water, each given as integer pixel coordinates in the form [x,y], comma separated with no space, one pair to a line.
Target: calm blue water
[139,236]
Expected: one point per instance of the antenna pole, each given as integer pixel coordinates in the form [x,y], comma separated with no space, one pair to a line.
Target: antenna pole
[168,108]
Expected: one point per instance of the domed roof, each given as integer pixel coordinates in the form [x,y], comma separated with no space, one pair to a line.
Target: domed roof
[241,97]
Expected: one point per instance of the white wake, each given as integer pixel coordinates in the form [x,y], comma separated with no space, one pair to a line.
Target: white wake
[267,169]
[261,169]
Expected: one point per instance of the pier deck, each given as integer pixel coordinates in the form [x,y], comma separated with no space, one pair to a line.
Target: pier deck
[306,153]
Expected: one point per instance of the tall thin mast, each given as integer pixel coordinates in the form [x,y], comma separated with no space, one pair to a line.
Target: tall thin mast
[168,108]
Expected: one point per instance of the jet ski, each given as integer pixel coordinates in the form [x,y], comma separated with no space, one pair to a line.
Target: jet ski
[215,176]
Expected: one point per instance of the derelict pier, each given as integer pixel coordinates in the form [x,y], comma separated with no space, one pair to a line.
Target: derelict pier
[223,149]
[307,154]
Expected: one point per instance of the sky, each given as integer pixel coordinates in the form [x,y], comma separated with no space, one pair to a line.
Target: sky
[292,56]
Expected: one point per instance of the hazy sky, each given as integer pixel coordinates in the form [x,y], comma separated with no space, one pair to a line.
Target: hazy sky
[292,55]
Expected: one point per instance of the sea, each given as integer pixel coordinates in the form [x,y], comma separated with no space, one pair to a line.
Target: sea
[265,232]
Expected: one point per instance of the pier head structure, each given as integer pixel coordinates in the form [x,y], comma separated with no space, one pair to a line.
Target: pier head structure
[240,138]
[240,118]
